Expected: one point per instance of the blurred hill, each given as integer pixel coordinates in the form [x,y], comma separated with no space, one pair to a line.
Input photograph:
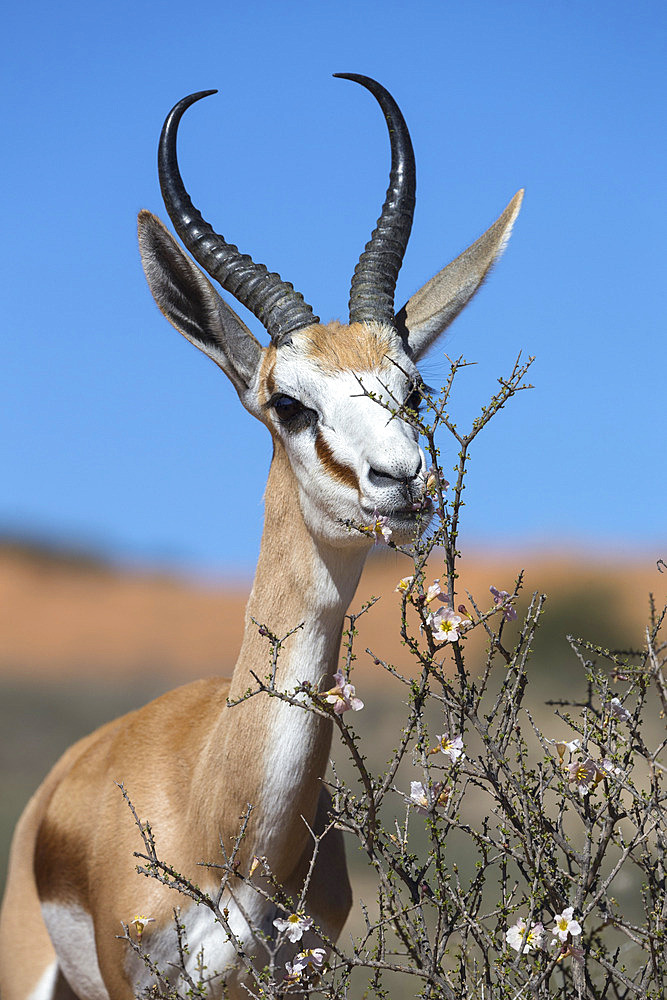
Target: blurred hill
[65,615]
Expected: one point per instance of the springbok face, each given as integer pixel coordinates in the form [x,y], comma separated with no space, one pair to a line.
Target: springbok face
[324,391]
[328,396]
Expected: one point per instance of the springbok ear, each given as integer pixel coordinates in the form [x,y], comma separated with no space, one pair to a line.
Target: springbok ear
[192,305]
[433,307]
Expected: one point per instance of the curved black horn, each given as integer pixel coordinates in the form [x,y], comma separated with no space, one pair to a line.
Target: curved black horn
[273,301]
[374,280]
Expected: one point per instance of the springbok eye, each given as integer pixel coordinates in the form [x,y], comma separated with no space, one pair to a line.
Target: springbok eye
[414,400]
[287,408]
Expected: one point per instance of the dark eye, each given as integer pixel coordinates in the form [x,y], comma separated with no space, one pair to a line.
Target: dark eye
[414,400]
[287,408]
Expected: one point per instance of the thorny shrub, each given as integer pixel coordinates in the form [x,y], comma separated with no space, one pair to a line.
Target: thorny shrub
[496,868]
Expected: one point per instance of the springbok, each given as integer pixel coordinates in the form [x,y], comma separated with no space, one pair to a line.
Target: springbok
[189,762]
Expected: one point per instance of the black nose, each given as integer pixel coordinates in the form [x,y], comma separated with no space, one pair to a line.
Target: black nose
[386,477]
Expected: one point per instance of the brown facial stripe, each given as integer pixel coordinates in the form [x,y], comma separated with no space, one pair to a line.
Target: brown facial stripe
[343,473]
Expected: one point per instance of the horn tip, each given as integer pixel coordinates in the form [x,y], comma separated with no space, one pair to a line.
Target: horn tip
[193,98]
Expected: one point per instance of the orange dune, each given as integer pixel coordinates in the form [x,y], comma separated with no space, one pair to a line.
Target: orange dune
[65,617]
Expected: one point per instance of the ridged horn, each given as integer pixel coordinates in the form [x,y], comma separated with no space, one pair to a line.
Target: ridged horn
[275,303]
[374,281]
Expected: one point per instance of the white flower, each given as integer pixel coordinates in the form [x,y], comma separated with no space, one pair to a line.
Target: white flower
[433,592]
[379,528]
[565,925]
[309,960]
[140,922]
[451,746]
[517,937]
[404,585]
[445,623]
[294,925]
[419,796]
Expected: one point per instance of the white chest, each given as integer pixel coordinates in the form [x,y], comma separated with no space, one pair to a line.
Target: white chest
[71,930]
[209,947]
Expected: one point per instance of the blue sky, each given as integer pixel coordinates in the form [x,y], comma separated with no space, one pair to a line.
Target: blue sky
[117,435]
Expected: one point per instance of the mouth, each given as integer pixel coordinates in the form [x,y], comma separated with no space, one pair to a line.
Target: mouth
[407,514]
[422,508]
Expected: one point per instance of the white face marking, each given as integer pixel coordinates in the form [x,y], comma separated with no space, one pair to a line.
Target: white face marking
[382,453]
[71,930]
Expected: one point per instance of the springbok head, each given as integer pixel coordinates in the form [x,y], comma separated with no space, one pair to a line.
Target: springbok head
[319,387]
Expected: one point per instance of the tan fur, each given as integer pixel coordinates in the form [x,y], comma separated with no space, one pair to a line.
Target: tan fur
[267,383]
[360,347]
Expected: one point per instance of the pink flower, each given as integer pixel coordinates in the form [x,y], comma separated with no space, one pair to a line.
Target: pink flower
[586,775]
[418,796]
[501,598]
[433,478]
[571,951]
[433,592]
[342,696]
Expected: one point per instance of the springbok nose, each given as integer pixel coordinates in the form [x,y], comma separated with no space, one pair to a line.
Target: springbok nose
[397,472]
